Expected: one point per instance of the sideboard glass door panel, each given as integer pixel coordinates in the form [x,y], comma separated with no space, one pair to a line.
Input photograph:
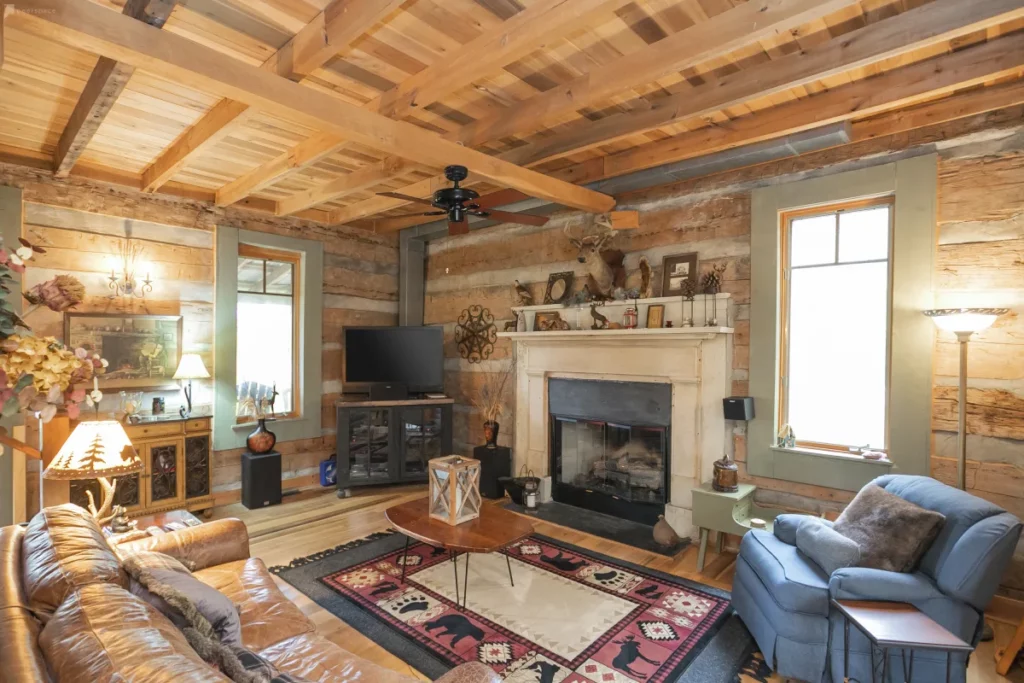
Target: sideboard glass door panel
[164,474]
[368,444]
[421,436]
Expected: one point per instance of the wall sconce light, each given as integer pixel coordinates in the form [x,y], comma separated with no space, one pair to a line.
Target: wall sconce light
[126,284]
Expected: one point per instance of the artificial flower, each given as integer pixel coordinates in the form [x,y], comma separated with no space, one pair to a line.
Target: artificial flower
[58,294]
[24,253]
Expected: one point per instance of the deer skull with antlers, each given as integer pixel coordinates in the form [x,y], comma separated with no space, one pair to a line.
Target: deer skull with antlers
[600,267]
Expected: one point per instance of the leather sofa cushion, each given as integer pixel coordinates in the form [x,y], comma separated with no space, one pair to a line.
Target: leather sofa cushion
[63,549]
[19,630]
[267,615]
[315,658]
[795,582]
[102,634]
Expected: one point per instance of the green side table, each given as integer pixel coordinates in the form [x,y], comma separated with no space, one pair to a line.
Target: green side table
[726,513]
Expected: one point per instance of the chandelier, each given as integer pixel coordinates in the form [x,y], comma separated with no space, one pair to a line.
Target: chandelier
[125,284]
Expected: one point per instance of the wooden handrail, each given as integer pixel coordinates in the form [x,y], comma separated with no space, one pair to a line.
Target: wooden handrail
[8,440]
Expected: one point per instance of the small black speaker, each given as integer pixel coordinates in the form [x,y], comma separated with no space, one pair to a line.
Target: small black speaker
[494,464]
[738,407]
[261,479]
[379,391]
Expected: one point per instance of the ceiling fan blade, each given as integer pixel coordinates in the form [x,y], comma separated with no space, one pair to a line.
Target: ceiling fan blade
[509,217]
[501,198]
[405,197]
[427,213]
[460,228]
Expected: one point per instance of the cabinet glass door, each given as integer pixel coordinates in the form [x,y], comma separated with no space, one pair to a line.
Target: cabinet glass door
[368,444]
[421,431]
[164,473]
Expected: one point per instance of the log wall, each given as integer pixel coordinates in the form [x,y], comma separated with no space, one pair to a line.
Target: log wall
[81,225]
[980,261]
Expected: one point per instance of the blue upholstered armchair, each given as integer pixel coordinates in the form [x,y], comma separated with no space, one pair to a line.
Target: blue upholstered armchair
[784,598]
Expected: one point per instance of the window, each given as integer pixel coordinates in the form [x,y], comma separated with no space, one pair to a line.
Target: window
[834,351]
[268,330]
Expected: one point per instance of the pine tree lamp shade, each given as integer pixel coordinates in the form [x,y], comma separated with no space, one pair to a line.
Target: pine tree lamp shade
[454,489]
[96,450]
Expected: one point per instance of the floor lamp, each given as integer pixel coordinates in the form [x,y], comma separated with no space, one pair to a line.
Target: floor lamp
[963,322]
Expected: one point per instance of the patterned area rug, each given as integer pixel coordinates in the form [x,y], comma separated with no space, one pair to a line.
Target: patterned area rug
[572,615]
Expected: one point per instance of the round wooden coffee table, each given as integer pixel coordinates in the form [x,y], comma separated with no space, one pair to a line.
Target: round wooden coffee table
[495,529]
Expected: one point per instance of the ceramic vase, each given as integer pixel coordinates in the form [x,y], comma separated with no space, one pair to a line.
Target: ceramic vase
[491,433]
[261,440]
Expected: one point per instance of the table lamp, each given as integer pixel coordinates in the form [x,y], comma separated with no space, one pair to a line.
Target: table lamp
[96,450]
[190,367]
[963,322]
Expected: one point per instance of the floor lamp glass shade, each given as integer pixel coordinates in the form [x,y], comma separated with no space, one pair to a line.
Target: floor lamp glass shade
[964,320]
[94,450]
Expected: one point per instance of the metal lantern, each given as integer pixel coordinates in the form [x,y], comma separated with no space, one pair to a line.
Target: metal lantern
[454,489]
[531,489]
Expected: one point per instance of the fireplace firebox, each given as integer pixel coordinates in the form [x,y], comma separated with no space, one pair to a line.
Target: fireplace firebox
[610,446]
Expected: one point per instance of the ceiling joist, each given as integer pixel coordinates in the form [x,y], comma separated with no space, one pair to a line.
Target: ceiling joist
[92,28]
[328,34]
[720,35]
[105,84]
[869,97]
[927,25]
[521,34]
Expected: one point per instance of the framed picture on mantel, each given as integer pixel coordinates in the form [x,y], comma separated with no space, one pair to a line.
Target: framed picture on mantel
[677,270]
[143,350]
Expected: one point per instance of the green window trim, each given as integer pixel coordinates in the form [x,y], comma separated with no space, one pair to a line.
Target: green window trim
[914,183]
[226,433]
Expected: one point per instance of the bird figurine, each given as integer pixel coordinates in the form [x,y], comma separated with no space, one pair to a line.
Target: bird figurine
[664,535]
[525,298]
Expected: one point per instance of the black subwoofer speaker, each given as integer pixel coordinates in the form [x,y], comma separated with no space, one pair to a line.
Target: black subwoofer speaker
[261,479]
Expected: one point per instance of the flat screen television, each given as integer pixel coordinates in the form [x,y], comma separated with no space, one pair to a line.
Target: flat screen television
[413,356]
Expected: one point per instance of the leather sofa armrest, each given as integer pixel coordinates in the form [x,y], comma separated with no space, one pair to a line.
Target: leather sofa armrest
[862,583]
[470,672]
[198,547]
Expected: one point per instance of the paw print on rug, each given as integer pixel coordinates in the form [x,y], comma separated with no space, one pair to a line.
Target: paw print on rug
[388,568]
[361,578]
[689,604]
[409,605]
[611,578]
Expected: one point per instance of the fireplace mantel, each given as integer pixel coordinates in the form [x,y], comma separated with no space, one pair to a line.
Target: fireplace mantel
[695,361]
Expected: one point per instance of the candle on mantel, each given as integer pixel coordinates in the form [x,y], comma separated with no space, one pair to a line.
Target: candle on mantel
[95,383]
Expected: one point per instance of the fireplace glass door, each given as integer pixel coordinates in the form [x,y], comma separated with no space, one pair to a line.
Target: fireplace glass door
[617,469]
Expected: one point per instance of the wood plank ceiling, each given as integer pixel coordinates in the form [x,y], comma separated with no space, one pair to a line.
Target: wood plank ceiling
[576,90]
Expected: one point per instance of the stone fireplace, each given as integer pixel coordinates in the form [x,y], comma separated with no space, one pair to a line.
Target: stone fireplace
[610,446]
[691,366]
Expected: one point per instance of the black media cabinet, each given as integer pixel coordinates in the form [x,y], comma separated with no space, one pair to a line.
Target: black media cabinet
[390,442]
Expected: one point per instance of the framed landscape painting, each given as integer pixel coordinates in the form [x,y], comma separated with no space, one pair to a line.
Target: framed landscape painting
[143,350]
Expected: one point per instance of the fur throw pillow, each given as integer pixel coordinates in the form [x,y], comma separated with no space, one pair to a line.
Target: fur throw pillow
[893,533]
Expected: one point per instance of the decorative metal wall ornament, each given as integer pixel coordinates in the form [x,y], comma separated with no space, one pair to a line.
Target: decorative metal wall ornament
[475,333]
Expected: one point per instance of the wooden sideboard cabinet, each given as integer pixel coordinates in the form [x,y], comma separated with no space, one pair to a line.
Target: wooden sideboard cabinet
[390,442]
[178,456]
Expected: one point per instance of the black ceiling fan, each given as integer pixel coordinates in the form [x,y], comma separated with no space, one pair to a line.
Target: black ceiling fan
[458,203]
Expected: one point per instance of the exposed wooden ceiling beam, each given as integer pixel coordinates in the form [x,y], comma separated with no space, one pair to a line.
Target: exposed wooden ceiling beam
[360,179]
[935,22]
[872,96]
[4,11]
[724,33]
[521,34]
[105,84]
[742,25]
[92,28]
[328,34]
[914,29]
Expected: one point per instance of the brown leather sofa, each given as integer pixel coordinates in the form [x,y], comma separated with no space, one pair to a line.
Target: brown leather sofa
[66,616]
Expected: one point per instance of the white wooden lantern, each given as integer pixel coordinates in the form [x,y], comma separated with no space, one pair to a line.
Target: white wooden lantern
[454,489]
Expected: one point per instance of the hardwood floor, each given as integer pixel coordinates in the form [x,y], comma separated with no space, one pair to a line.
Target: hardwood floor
[317,520]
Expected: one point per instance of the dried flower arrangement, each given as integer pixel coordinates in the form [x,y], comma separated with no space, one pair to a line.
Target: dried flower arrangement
[38,374]
[490,399]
